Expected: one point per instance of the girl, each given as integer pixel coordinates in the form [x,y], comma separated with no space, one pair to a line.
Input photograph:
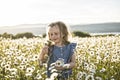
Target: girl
[62,50]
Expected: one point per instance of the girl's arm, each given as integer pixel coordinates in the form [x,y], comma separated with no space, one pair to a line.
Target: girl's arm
[72,63]
[42,54]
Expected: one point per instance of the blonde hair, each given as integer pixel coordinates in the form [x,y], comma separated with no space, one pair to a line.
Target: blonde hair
[63,31]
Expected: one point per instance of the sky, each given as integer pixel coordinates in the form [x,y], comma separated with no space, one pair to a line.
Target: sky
[15,12]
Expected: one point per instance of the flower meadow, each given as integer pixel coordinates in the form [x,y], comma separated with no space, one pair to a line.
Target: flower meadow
[97,58]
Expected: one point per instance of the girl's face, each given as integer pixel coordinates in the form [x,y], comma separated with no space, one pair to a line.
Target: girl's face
[54,34]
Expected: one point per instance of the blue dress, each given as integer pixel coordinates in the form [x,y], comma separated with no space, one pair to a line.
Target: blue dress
[65,53]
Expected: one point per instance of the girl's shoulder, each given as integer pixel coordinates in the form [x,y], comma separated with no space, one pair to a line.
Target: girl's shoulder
[72,45]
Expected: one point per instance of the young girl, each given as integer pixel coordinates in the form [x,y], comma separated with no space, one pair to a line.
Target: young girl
[62,50]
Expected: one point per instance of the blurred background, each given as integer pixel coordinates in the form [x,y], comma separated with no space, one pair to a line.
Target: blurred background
[91,16]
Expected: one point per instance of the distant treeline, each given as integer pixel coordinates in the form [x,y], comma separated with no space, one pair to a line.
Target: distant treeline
[19,35]
[31,35]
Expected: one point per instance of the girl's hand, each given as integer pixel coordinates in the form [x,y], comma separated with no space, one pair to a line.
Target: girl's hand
[45,50]
[65,66]
[59,67]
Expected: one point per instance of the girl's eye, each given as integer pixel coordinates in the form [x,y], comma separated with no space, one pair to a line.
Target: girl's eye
[56,33]
[51,34]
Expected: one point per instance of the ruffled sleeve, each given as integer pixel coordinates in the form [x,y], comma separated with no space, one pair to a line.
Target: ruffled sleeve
[72,48]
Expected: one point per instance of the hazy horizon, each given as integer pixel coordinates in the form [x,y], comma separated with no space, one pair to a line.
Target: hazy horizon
[91,28]
[45,24]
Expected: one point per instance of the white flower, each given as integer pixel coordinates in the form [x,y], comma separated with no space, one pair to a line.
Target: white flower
[59,62]
[53,76]
[49,79]
[84,74]
[29,70]
[53,64]
[3,64]
[112,79]
[25,60]
[91,53]
[53,70]
[103,70]
[35,58]
[98,78]
[79,76]
[45,65]
[13,71]
[28,74]
[22,67]
[90,77]
[7,67]
[86,65]
[99,58]
[38,76]
[92,70]
[44,72]
[52,67]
